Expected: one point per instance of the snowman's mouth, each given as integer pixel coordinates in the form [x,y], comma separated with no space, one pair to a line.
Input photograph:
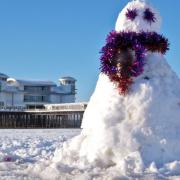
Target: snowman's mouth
[123,55]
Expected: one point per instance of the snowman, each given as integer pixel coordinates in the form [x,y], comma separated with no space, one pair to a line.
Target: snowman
[133,118]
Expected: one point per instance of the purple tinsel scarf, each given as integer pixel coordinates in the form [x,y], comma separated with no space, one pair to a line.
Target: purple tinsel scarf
[139,43]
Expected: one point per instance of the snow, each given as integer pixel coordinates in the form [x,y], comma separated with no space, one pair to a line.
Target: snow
[129,136]
[32,157]
[20,149]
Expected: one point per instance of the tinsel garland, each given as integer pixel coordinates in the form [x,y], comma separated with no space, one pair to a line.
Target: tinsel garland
[139,43]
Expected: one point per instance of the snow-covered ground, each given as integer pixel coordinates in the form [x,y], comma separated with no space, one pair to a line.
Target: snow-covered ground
[20,149]
[23,154]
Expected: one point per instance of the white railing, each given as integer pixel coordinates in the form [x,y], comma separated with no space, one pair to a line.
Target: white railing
[12,108]
[47,108]
[66,107]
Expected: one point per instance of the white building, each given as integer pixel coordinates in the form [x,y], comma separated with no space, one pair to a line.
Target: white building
[35,94]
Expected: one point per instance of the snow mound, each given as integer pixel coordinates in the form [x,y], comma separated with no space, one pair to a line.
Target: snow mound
[127,136]
[133,131]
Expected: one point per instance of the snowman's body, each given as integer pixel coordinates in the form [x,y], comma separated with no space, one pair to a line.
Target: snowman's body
[147,121]
[130,130]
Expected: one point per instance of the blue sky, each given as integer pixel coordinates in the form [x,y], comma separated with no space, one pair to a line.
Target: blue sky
[47,39]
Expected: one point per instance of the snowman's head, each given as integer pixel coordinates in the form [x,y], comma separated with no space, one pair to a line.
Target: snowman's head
[135,35]
[138,16]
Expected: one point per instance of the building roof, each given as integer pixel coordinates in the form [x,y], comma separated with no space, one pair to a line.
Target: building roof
[3,75]
[36,83]
[67,78]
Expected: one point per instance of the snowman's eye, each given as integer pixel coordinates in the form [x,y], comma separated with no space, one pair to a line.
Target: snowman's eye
[149,16]
[131,14]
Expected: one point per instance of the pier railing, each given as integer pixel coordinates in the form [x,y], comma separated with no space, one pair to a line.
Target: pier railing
[52,116]
[47,108]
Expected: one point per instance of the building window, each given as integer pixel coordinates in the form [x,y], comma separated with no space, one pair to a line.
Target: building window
[1,104]
[3,79]
[37,89]
[28,98]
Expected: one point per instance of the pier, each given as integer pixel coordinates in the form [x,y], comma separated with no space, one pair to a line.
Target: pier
[52,116]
